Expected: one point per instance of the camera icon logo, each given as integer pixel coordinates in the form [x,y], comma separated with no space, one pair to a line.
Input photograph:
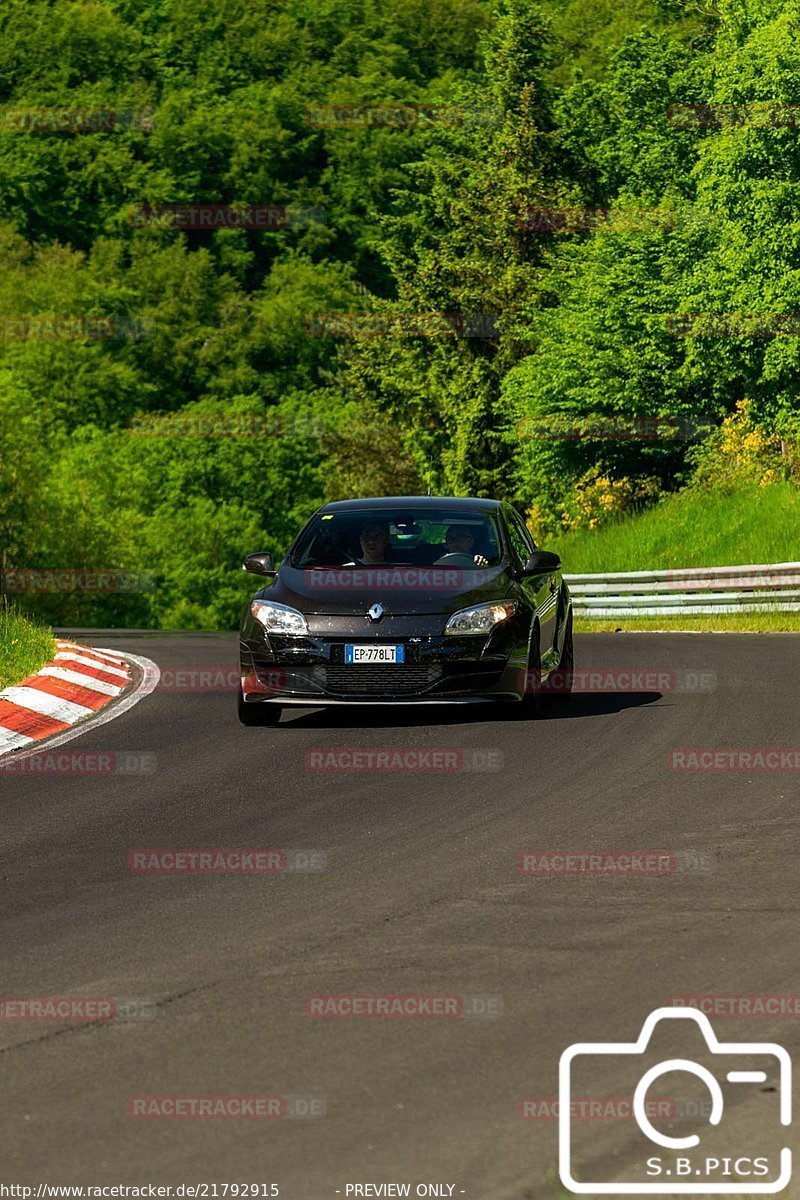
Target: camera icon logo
[674,1170]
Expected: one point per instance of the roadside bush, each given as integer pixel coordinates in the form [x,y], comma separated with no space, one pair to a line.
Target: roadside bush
[745,451]
[595,499]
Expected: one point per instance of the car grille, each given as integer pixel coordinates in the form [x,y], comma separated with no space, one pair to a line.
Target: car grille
[373,680]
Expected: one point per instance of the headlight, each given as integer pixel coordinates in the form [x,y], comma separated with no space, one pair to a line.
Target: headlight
[481,618]
[278,618]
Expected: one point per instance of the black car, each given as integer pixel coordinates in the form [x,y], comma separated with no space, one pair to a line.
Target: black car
[406,599]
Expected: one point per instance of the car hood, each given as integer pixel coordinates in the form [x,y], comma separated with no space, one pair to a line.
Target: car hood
[403,591]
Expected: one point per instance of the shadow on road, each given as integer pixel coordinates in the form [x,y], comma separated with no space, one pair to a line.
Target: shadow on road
[366,716]
[597,704]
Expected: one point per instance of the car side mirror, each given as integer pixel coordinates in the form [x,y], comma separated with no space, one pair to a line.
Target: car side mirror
[259,564]
[540,562]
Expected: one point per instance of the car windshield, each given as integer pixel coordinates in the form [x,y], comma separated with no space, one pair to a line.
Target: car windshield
[412,537]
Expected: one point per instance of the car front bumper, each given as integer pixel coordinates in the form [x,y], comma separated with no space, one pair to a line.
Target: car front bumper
[311,669]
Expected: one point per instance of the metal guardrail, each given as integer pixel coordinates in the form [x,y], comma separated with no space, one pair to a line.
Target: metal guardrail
[688,590]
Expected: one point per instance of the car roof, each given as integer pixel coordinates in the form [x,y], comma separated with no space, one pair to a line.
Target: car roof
[463,503]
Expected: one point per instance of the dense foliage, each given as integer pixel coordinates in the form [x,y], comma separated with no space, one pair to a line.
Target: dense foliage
[413,318]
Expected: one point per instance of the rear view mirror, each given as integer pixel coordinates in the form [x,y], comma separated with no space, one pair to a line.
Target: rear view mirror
[406,524]
[259,564]
[540,562]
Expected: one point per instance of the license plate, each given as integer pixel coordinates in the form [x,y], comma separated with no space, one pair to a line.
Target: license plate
[374,654]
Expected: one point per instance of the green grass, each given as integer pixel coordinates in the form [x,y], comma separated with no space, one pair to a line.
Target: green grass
[715,623]
[692,529]
[25,646]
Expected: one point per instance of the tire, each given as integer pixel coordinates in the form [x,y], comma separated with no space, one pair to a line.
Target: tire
[562,676]
[257,713]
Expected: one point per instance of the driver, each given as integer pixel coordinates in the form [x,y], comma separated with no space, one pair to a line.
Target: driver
[374,538]
[459,540]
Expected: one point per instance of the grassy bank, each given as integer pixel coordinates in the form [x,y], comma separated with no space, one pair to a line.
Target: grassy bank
[692,529]
[25,646]
[715,623]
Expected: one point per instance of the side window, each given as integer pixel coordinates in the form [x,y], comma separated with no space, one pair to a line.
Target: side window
[521,542]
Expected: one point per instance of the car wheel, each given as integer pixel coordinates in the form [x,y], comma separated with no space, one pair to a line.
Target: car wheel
[560,680]
[257,713]
[532,699]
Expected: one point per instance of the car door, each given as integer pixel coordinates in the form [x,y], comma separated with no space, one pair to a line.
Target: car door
[541,591]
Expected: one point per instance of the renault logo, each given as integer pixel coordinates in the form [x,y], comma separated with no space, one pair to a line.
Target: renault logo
[375,612]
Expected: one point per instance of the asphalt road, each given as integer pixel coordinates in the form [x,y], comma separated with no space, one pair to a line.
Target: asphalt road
[421,894]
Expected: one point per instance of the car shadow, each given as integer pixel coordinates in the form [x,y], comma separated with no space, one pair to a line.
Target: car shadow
[597,704]
[406,716]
